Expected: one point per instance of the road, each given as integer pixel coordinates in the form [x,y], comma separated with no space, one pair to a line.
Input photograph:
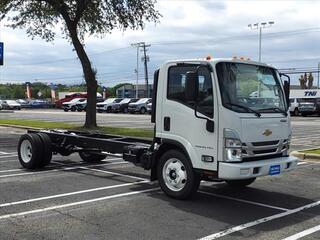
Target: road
[114,200]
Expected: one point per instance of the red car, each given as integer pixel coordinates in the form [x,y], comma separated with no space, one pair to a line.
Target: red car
[68,98]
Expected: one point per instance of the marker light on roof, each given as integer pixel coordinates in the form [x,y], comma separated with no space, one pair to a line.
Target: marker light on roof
[208,58]
[241,58]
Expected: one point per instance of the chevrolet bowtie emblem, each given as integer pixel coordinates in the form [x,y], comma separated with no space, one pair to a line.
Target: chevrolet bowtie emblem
[267,132]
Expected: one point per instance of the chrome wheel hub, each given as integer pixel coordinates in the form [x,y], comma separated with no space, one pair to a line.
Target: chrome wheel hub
[26,151]
[174,174]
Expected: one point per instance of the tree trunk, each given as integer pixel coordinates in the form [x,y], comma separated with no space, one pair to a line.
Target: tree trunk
[90,78]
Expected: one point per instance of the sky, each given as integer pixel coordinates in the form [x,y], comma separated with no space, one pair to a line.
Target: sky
[187,29]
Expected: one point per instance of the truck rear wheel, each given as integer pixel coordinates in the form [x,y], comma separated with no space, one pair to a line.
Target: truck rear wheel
[47,150]
[176,176]
[240,183]
[91,157]
[30,151]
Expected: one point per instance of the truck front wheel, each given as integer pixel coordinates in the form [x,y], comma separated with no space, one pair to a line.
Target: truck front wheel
[176,176]
[240,183]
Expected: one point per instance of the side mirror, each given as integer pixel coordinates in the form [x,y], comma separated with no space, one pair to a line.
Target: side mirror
[286,88]
[191,88]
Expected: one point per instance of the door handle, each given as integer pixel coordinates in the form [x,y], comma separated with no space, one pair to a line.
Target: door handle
[166,123]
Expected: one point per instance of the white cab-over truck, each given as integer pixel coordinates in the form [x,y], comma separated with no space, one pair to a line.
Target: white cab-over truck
[215,120]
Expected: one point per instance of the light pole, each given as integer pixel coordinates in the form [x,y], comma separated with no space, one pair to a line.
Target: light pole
[259,26]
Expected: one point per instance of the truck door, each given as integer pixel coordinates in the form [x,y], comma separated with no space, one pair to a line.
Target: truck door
[180,123]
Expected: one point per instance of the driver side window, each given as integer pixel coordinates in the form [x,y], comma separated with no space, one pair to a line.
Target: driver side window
[176,88]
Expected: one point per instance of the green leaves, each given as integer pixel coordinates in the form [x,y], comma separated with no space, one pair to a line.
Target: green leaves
[90,17]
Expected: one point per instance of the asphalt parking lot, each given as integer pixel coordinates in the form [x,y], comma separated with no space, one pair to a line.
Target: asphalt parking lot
[115,200]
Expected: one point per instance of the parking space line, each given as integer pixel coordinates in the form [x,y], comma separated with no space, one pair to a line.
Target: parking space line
[10,156]
[75,203]
[7,153]
[69,194]
[57,170]
[259,221]
[303,233]
[244,201]
[63,164]
[113,173]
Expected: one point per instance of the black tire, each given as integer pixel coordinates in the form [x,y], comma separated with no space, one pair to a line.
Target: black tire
[73,109]
[66,110]
[143,110]
[30,150]
[91,157]
[240,183]
[125,110]
[99,111]
[296,112]
[47,149]
[109,109]
[192,180]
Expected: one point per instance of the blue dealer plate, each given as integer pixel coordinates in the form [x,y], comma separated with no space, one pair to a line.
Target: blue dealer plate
[274,170]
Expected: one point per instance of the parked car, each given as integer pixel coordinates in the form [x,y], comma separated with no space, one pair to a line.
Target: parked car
[81,106]
[68,98]
[107,105]
[10,105]
[38,103]
[309,106]
[123,105]
[71,106]
[149,108]
[139,106]
[24,103]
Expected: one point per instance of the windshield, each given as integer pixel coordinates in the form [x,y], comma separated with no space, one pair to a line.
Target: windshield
[110,100]
[126,100]
[253,87]
[143,100]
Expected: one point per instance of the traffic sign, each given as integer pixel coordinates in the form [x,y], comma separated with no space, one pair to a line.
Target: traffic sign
[1,53]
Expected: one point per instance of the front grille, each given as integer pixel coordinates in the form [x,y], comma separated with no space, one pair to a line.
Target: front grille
[264,149]
[259,144]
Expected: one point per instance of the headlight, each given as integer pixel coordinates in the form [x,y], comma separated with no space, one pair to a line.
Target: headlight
[233,150]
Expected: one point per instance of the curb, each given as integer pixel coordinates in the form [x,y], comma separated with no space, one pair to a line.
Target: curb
[306,156]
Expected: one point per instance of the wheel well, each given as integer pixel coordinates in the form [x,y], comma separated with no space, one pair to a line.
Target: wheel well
[162,149]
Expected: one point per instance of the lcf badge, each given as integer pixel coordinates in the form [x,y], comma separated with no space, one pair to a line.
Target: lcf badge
[1,53]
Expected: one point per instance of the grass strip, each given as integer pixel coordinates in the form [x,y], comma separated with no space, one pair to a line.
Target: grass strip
[313,151]
[132,132]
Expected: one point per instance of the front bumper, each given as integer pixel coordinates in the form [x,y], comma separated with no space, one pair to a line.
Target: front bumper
[245,170]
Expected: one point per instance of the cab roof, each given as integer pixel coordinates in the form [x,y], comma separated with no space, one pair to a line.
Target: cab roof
[214,61]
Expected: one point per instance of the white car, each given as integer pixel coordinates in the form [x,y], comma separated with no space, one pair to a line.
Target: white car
[71,105]
[10,105]
[139,106]
[107,105]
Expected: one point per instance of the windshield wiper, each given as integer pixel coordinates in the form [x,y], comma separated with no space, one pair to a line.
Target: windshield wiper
[246,108]
[279,110]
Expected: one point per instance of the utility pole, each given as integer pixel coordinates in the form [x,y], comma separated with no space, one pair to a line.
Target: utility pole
[259,26]
[318,74]
[146,59]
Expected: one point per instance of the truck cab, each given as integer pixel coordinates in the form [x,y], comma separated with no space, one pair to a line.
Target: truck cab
[219,119]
